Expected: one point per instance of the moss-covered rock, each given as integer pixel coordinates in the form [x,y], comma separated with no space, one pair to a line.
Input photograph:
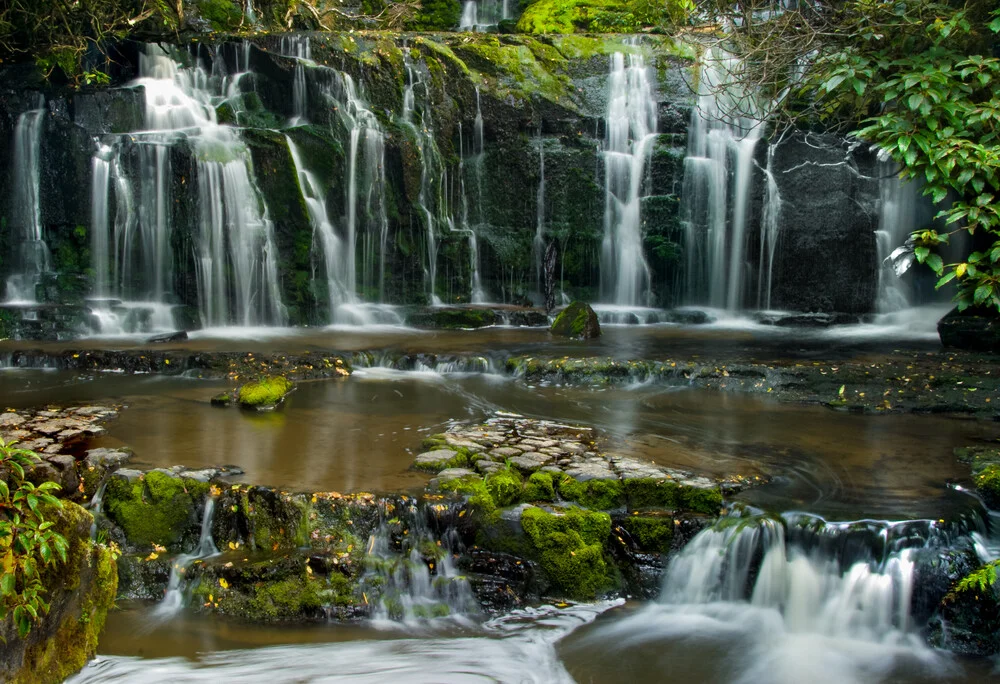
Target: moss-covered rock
[540,486]
[578,321]
[598,494]
[261,518]
[437,460]
[652,533]
[671,495]
[504,486]
[80,592]
[453,318]
[155,508]
[988,485]
[265,393]
[570,550]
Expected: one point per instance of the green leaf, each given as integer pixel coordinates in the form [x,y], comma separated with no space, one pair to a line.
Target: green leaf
[945,279]
[983,292]
[935,262]
[921,253]
[7,584]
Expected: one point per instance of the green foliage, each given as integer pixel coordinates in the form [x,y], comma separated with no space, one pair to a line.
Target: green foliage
[27,540]
[650,533]
[917,78]
[601,494]
[603,16]
[980,580]
[267,391]
[436,15]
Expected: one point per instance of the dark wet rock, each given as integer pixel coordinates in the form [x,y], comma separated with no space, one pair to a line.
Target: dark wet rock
[179,336]
[501,581]
[528,318]
[577,321]
[968,621]
[807,320]
[440,318]
[935,572]
[973,329]
[689,317]
[144,576]
[261,518]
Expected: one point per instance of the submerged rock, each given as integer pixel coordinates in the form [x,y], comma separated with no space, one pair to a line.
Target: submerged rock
[578,321]
[453,318]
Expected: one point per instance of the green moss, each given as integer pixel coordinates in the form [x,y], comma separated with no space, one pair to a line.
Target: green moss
[436,15]
[54,652]
[287,598]
[650,533]
[504,487]
[539,487]
[577,320]
[452,319]
[449,458]
[570,549]
[267,391]
[648,492]
[475,488]
[988,485]
[601,16]
[600,494]
[223,15]
[155,509]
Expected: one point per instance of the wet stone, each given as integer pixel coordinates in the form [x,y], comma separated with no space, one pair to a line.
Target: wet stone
[107,458]
[9,420]
[529,462]
[434,460]
[450,474]
[460,443]
[486,467]
[502,453]
[591,471]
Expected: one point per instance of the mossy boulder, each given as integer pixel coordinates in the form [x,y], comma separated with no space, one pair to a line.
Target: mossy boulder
[648,492]
[265,393]
[570,550]
[648,532]
[261,518]
[975,328]
[437,460]
[540,486]
[988,485]
[577,321]
[452,318]
[598,494]
[155,508]
[79,592]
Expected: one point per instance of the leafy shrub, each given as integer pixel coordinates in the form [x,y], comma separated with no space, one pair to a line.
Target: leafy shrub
[27,541]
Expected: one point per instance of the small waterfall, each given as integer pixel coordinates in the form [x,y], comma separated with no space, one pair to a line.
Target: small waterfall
[96,507]
[483,15]
[173,600]
[432,170]
[631,130]
[769,234]
[897,218]
[538,243]
[32,256]
[299,48]
[718,182]
[100,246]
[417,569]
[802,568]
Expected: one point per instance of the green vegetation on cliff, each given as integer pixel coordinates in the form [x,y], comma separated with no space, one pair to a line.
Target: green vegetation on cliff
[603,16]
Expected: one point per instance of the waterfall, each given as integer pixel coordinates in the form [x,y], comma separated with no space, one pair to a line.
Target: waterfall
[432,171]
[538,243]
[173,599]
[476,294]
[789,566]
[718,182]
[631,129]
[100,246]
[769,233]
[299,48]
[237,261]
[417,574]
[897,218]
[32,256]
[482,15]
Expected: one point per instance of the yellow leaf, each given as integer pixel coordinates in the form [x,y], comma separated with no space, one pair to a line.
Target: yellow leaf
[223,583]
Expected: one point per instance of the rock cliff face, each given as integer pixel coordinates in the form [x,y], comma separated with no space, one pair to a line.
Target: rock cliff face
[380,168]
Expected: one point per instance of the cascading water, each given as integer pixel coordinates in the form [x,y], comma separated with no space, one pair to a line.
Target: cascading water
[482,15]
[897,218]
[173,600]
[300,48]
[538,243]
[417,572]
[32,254]
[631,130]
[235,253]
[718,185]
[769,234]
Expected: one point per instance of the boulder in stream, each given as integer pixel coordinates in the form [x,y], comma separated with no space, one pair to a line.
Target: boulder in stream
[577,321]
